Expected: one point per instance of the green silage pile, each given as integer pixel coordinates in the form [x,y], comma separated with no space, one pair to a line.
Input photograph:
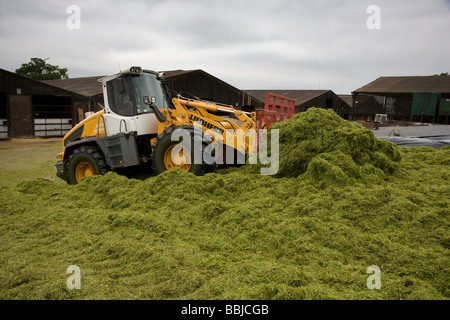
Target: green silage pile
[321,146]
[311,232]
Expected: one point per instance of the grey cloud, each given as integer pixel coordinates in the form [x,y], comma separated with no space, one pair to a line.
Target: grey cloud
[248,43]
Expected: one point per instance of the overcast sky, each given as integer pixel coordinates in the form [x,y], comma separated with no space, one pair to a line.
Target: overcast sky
[251,44]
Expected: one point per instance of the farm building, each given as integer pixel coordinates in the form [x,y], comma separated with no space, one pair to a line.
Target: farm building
[421,98]
[305,99]
[30,108]
[88,87]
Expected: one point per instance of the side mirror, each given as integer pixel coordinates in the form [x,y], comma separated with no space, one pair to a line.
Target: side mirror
[151,103]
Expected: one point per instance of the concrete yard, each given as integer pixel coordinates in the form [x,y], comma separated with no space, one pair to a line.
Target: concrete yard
[413,131]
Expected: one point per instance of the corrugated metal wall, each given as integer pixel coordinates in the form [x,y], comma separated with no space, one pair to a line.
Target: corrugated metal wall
[444,107]
[3,116]
[396,105]
[424,106]
[13,83]
[209,88]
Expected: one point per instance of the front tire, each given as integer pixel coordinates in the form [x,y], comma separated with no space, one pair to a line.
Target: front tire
[187,150]
[83,162]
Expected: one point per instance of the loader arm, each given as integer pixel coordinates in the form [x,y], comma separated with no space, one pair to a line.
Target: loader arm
[198,112]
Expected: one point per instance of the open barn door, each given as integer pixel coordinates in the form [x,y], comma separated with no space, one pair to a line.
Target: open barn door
[52,116]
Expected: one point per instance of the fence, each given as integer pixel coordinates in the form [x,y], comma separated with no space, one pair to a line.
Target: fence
[276,108]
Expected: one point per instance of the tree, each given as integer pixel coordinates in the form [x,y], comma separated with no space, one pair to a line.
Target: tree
[444,74]
[39,69]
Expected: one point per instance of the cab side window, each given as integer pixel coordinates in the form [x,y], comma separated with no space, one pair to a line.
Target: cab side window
[120,99]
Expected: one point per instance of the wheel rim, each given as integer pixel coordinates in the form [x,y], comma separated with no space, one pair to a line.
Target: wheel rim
[82,170]
[184,159]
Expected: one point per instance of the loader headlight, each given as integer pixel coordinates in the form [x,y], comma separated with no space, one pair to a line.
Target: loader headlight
[151,100]
[133,70]
[161,76]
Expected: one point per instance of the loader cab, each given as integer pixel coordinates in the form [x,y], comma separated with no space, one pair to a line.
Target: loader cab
[125,108]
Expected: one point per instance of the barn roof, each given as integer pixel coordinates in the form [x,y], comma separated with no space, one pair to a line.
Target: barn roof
[421,84]
[86,86]
[300,96]
[347,98]
[175,73]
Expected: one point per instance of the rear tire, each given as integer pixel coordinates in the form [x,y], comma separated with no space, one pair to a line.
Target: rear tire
[163,147]
[83,162]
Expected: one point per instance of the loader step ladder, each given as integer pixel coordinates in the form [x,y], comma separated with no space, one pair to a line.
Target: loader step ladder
[114,150]
[121,149]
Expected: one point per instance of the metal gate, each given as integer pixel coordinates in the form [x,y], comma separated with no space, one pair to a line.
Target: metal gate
[52,120]
[3,128]
[3,117]
[276,108]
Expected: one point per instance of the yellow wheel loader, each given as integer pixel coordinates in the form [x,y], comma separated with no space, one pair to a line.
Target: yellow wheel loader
[140,124]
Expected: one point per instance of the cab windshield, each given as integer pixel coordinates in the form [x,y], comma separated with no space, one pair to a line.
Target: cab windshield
[147,85]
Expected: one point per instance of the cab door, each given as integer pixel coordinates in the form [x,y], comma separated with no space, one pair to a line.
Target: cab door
[119,107]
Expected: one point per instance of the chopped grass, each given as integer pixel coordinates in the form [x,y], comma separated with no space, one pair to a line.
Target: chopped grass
[235,234]
[28,159]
